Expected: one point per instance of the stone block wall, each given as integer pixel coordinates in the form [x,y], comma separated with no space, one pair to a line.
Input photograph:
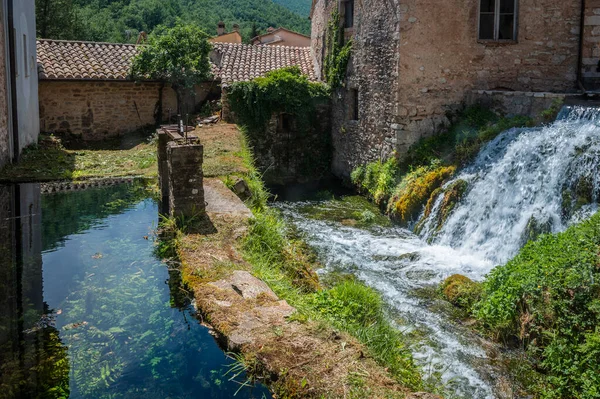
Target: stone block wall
[284,154]
[591,46]
[415,62]
[96,110]
[185,179]
[5,138]
[512,103]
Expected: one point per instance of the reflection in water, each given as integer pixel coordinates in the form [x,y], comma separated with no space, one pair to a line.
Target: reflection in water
[98,320]
[33,361]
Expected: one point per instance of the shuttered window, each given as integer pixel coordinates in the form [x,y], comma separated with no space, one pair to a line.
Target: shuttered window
[498,20]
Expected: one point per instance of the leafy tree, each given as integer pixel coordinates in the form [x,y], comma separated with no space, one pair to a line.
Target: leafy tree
[57,19]
[178,55]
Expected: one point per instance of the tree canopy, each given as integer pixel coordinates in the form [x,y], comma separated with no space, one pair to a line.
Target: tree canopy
[121,21]
[178,55]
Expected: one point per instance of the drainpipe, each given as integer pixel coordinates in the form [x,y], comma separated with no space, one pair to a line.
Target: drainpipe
[13,78]
[580,61]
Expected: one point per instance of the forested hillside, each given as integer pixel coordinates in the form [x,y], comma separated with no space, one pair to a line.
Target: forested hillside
[122,20]
[300,7]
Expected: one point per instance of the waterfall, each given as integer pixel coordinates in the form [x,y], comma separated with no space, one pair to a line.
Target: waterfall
[525,182]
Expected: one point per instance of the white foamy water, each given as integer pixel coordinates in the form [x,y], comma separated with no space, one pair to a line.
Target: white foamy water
[522,174]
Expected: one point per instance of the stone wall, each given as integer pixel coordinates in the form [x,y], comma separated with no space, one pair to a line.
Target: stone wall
[284,154]
[415,62]
[512,103]
[5,138]
[591,46]
[95,109]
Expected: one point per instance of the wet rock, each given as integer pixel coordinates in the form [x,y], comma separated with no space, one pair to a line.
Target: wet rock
[535,228]
[423,395]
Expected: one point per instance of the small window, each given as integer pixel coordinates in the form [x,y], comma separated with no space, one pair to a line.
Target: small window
[354,105]
[498,20]
[25,56]
[284,123]
[348,14]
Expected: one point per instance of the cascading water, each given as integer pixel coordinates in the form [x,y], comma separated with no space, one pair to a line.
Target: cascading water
[525,182]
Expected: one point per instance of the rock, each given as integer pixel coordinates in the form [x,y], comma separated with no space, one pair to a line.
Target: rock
[461,291]
[423,395]
[245,285]
[241,189]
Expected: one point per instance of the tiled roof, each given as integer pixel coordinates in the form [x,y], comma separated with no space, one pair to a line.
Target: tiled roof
[70,60]
[240,62]
[58,59]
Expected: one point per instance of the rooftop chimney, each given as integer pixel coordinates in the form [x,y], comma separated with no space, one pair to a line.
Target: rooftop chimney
[270,29]
[236,27]
[221,28]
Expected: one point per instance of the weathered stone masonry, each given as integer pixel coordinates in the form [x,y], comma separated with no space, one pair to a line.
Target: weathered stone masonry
[415,62]
[4,130]
[100,109]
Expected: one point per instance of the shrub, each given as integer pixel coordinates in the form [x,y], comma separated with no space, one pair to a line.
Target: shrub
[548,297]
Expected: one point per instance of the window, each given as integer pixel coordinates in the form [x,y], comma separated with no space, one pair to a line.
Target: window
[25,56]
[348,14]
[498,20]
[284,123]
[353,105]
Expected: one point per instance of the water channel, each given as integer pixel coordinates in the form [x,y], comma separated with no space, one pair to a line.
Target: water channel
[87,309]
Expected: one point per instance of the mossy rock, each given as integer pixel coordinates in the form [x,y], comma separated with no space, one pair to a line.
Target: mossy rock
[461,291]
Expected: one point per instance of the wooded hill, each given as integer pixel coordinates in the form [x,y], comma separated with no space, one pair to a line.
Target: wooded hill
[122,20]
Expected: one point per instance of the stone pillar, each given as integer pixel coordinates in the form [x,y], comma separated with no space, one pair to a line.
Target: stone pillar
[163,171]
[186,192]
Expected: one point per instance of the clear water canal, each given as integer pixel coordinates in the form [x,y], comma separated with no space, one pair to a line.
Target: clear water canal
[90,311]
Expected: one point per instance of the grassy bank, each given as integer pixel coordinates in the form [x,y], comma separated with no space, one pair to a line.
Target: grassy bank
[402,187]
[343,318]
[52,159]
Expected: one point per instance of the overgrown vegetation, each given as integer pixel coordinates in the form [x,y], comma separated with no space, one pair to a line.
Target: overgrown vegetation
[121,21]
[548,298]
[338,53]
[289,95]
[404,187]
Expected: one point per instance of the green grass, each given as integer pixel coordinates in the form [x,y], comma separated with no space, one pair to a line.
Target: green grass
[287,264]
[548,298]
[50,160]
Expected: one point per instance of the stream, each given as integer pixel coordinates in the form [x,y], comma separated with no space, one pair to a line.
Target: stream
[87,309]
[523,182]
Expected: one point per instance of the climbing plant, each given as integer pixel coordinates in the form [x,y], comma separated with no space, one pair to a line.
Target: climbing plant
[178,55]
[338,52]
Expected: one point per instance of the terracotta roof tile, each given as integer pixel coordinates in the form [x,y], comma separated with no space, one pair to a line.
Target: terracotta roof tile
[72,60]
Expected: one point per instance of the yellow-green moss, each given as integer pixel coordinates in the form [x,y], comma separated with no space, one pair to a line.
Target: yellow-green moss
[415,189]
[461,291]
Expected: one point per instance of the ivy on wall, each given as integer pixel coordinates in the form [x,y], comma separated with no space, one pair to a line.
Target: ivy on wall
[338,53]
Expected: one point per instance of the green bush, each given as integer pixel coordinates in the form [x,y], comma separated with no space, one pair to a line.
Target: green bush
[548,297]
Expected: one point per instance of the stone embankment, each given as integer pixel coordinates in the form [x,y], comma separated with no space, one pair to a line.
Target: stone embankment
[294,358]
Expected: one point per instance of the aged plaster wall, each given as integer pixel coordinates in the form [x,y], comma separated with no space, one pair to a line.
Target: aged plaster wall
[5,139]
[96,110]
[415,61]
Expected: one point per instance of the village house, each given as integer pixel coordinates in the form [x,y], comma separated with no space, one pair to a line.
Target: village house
[227,37]
[281,37]
[19,122]
[86,88]
[413,64]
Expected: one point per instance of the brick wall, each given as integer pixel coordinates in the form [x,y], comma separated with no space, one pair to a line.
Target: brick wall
[4,131]
[414,62]
[96,109]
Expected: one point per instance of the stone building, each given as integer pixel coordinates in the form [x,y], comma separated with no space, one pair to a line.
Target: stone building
[413,64]
[227,37]
[86,89]
[19,122]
